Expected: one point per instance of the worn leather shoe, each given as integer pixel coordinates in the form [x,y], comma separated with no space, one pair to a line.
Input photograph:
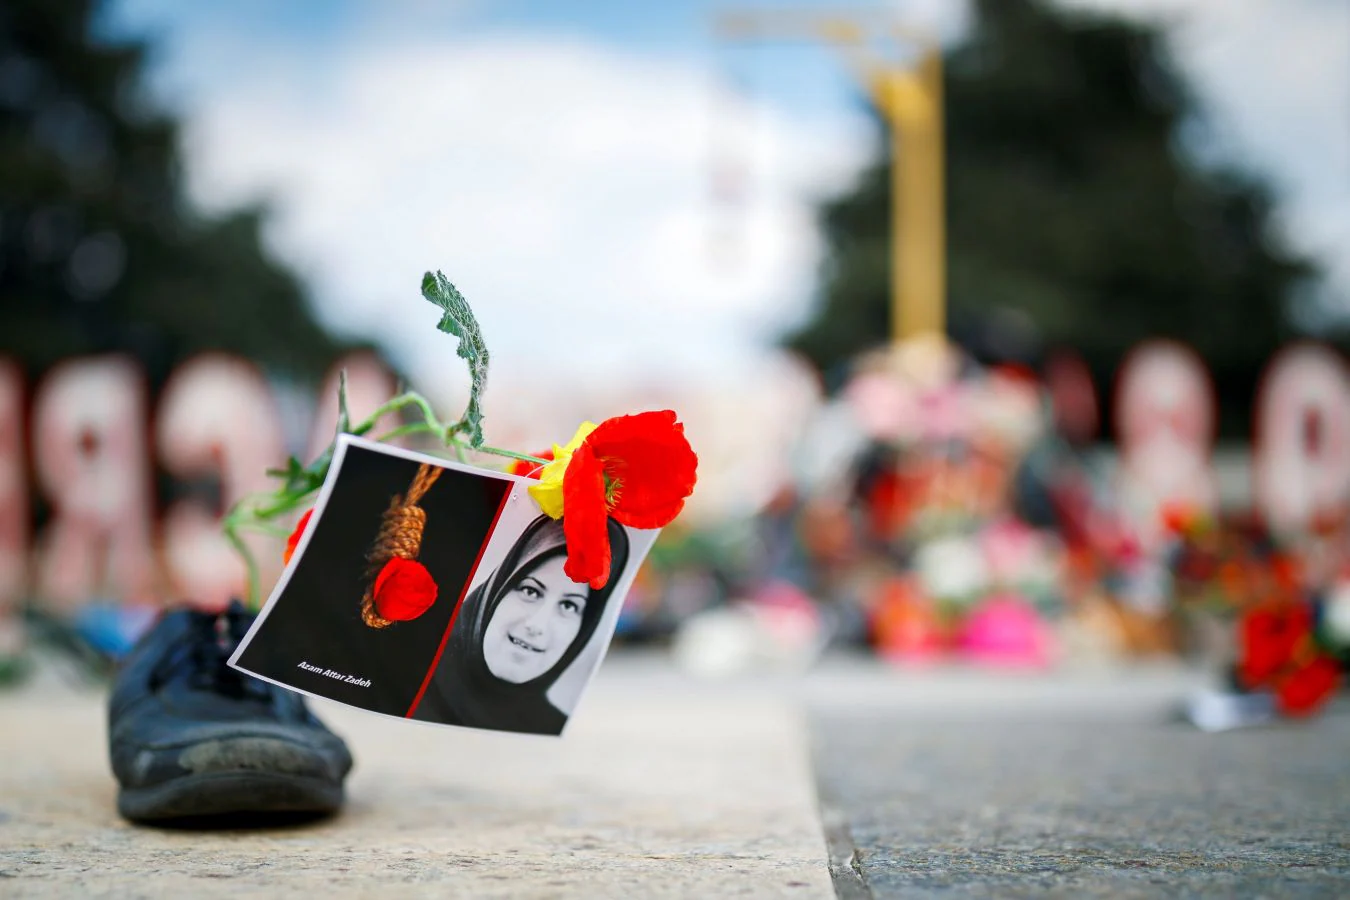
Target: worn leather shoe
[190,737]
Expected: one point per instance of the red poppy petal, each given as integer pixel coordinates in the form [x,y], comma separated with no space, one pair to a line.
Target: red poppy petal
[584,520]
[649,517]
[650,486]
[294,540]
[404,590]
[650,458]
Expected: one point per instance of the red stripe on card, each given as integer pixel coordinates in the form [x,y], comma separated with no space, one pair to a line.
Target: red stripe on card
[445,638]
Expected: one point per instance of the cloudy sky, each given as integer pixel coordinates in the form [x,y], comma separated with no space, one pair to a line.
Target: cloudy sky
[615,190]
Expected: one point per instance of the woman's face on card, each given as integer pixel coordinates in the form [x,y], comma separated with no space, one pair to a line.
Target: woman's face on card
[534,623]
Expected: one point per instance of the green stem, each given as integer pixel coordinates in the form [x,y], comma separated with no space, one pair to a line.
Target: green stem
[409,428]
[284,504]
[524,457]
[408,398]
[251,564]
[430,425]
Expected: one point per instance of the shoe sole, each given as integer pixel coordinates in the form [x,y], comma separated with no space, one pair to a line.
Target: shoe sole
[230,794]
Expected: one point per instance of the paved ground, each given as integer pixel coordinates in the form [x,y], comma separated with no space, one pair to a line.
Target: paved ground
[1022,788]
[946,783]
[665,788]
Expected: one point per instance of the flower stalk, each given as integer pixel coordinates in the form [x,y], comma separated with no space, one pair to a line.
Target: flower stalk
[257,513]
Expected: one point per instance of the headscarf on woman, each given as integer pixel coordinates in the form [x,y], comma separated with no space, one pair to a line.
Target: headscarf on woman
[463,691]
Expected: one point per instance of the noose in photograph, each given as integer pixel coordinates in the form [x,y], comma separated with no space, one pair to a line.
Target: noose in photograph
[400,588]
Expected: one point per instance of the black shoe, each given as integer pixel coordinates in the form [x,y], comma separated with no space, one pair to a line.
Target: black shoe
[190,737]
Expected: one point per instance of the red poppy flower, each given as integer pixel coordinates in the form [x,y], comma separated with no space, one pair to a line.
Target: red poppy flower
[404,590]
[1304,690]
[1268,637]
[527,468]
[293,541]
[638,469]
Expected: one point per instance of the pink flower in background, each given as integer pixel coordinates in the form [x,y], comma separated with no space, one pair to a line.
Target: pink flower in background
[787,614]
[1006,630]
[884,406]
[945,412]
[1011,550]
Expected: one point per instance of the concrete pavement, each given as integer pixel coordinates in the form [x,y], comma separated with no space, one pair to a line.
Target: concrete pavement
[662,788]
[1020,786]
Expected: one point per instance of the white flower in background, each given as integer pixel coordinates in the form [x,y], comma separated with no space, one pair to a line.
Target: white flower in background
[951,568]
[1009,408]
[1337,614]
[1017,554]
[830,444]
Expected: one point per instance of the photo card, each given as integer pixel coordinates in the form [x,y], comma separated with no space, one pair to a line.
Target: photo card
[432,590]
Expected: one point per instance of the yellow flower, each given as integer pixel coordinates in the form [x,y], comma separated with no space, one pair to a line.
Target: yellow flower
[548,493]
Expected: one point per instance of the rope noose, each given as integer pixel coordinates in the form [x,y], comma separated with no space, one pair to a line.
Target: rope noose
[400,536]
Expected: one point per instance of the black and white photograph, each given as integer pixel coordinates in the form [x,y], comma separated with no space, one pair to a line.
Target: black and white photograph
[429,590]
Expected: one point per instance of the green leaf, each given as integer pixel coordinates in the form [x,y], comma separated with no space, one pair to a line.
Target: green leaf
[300,479]
[293,476]
[458,320]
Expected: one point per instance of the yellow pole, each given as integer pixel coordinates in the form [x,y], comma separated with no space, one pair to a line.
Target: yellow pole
[911,101]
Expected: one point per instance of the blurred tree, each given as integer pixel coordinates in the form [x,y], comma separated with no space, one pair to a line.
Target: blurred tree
[1075,215]
[99,250]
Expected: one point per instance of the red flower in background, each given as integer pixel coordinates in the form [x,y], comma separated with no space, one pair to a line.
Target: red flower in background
[638,469]
[1303,690]
[1179,518]
[294,540]
[404,590]
[1288,573]
[1267,640]
[1278,653]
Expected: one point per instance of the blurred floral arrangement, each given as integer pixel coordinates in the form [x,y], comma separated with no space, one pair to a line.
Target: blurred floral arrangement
[968,526]
[1238,572]
[1225,565]
[948,566]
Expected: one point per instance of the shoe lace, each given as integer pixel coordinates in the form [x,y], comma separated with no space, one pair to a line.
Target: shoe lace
[201,657]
